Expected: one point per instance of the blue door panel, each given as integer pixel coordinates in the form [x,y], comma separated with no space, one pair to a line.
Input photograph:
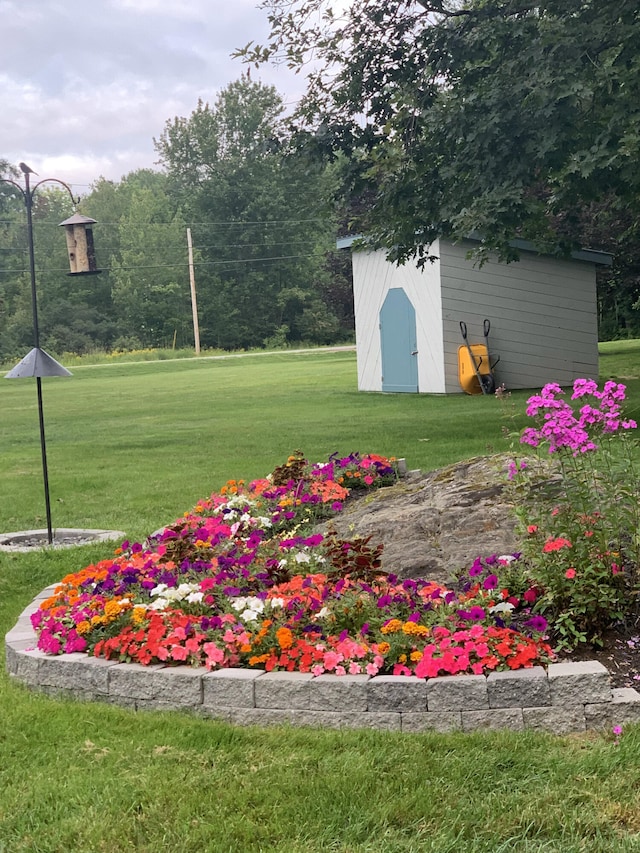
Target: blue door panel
[398,343]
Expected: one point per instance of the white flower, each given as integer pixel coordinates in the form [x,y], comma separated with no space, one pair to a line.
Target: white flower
[276,602]
[159,604]
[506,559]
[195,597]
[503,607]
[159,590]
[248,603]
[302,557]
[249,615]
[322,613]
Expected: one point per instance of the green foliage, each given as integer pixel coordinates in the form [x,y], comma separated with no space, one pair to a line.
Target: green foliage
[474,115]
[262,221]
[581,531]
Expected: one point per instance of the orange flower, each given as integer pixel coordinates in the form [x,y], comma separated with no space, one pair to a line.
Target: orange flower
[414,629]
[284,636]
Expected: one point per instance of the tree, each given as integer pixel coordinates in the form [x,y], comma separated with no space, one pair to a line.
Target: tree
[260,216]
[146,255]
[501,118]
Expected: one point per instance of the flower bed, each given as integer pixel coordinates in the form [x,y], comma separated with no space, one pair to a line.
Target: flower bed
[238,582]
[242,581]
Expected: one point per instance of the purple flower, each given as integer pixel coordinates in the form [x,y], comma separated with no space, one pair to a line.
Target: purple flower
[476,569]
[536,623]
[477,613]
[490,582]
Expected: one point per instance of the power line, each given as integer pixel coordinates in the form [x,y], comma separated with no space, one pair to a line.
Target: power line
[180,265]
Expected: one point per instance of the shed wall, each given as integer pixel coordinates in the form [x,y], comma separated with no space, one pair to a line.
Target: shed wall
[543,314]
[373,277]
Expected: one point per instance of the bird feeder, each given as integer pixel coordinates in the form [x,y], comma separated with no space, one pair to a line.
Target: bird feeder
[82,255]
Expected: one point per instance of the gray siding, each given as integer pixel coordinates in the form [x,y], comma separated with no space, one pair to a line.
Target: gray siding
[542,311]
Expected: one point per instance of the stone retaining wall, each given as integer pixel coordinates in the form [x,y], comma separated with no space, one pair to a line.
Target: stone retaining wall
[564,698]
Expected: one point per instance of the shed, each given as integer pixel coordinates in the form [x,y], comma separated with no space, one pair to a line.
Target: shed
[542,310]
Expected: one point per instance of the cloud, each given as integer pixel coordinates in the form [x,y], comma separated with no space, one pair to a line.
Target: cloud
[84,88]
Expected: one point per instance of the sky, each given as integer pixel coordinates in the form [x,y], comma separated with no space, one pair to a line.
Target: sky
[86,86]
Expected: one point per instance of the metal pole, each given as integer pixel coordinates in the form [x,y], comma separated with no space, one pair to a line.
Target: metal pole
[36,336]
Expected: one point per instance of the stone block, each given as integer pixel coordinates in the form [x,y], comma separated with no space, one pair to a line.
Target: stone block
[431,721]
[579,683]
[25,616]
[598,717]
[625,706]
[76,671]
[284,690]
[19,632]
[74,695]
[493,720]
[559,721]
[457,693]
[383,721]
[47,592]
[396,693]
[300,717]
[180,686]
[520,688]
[230,688]
[13,649]
[132,680]
[27,665]
[339,692]
[248,716]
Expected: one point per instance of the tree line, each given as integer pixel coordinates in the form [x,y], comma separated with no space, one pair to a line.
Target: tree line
[263,228]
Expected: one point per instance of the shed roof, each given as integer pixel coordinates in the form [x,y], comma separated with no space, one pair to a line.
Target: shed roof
[593,256]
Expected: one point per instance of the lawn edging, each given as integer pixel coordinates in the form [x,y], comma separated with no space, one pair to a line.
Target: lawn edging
[563,698]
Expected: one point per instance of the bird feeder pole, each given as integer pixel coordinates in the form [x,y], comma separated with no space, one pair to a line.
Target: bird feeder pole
[38,363]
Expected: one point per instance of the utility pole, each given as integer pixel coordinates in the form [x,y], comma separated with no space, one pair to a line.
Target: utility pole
[194,302]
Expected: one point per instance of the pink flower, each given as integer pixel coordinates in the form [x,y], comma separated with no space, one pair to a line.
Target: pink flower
[213,653]
[331,660]
[570,573]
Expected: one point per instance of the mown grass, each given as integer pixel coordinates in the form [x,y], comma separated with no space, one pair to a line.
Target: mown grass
[131,447]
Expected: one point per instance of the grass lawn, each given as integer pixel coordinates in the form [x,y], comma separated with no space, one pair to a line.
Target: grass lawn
[130,447]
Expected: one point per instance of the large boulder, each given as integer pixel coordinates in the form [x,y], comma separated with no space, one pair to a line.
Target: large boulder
[437,523]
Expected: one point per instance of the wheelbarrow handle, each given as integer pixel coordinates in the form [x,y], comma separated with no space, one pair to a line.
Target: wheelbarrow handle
[487,327]
[463,329]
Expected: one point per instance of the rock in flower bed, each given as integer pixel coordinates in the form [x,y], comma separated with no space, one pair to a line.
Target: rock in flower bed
[239,582]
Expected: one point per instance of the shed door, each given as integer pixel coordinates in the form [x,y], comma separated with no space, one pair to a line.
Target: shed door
[398,342]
